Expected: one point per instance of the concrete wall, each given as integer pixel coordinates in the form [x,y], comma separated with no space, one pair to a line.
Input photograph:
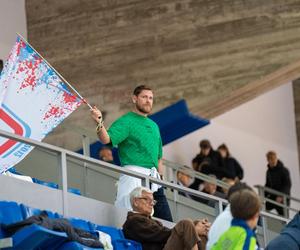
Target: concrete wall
[263,124]
[198,50]
[13,20]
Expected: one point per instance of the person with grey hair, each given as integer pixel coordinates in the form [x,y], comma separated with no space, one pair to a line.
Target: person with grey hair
[139,226]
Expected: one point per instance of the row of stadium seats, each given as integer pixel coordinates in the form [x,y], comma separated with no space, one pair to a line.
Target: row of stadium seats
[36,237]
[46,183]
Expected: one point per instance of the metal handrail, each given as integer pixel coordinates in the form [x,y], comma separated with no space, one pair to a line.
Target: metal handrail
[270,190]
[175,167]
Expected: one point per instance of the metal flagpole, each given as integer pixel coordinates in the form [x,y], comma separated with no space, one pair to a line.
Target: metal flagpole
[56,71]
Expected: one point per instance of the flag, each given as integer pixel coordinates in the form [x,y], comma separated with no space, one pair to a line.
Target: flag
[33,101]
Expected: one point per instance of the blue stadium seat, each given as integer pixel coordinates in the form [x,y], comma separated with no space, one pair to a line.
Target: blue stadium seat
[29,211]
[82,224]
[37,237]
[76,246]
[30,237]
[115,233]
[10,212]
[124,244]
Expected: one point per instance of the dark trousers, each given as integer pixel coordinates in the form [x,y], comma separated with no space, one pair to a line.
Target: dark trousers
[183,236]
[162,209]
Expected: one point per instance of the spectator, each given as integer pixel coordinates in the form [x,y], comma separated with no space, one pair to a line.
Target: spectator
[208,161]
[105,154]
[139,148]
[244,207]
[277,178]
[289,238]
[140,227]
[209,187]
[232,168]
[223,221]
[1,65]
[184,178]
[228,181]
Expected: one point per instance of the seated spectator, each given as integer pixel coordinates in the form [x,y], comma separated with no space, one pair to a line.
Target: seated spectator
[244,206]
[184,178]
[208,161]
[209,187]
[105,154]
[232,168]
[223,221]
[139,226]
[289,238]
[277,178]
[228,181]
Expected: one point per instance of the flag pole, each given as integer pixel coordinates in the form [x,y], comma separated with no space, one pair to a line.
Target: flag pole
[55,71]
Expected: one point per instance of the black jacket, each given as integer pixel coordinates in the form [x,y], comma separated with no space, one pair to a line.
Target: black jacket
[215,164]
[278,178]
[232,168]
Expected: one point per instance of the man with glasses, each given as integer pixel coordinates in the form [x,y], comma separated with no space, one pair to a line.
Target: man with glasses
[139,226]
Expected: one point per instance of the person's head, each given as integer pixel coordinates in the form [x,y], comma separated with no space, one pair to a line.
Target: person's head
[184,176]
[142,201]
[105,154]
[205,147]
[228,181]
[245,205]
[224,151]
[210,186]
[238,187]
[272,159]
[143,99]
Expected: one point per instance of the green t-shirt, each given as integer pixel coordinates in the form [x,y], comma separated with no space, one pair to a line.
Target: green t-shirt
[138,139]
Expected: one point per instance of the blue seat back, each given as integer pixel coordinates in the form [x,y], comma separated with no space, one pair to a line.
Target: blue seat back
[82,224]
[123,244]
[115,233]
[30,211]
[10,212]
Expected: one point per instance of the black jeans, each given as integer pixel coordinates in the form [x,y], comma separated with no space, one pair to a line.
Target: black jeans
[162,209]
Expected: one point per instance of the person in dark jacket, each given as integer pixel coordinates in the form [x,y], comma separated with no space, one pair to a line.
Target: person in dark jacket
[277,178]
[232,168]
[289,238]
[139,226]
[208,161]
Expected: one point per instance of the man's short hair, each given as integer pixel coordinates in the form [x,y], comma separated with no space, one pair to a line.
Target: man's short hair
[244,204]
[185,170]
[205,144]
[137,192]
[140,88]
[238,187]
[270,154]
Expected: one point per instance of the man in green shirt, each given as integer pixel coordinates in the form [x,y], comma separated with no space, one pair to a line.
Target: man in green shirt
[139,147]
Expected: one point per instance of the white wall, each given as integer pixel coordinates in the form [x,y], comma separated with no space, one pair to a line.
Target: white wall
[13,20]
[263,124]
